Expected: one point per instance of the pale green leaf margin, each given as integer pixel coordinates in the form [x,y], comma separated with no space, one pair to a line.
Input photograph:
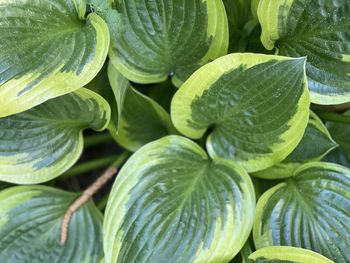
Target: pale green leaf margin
[34,176]
[285,253]
[269,14]
[217,29]
[58,83]
[111,225]
[207,75]
[285,168]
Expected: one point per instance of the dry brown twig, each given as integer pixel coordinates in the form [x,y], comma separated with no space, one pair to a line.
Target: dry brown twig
[87,194]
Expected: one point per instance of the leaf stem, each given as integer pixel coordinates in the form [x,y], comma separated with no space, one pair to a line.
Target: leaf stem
[87,194]
[333,117]
[102,203]
[100,138]
[116,160]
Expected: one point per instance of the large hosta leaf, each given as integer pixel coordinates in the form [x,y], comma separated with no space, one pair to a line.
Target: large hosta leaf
[284,254]
[162,38]
[341,134]
[30,225]
[309,210]
[43,142]
[47,49]
[314,145]
[319,30]
[141,119]
[170,203]
[257,106]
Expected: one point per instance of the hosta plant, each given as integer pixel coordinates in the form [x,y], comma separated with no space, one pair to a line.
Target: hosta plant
[182,131]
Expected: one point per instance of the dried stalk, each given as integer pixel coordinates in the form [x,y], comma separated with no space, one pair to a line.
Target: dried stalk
[88,193]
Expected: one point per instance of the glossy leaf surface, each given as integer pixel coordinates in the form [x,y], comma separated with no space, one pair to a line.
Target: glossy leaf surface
[309,210]
[233,96]
[30,225]
[48,49]
[170,203]
[316,29]
[42,143]
[162,38]
[314,145]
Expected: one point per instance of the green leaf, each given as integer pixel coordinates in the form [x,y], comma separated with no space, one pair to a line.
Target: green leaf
[340,132]
[238,14]
[316,29]
[30,225]
[285,254]
[100,84]
[42,143]
[244,28]
[234,96]
[170,203]
[119,86]
[309,210]
[164,38]
[254,7]
[163,93]
[142,120]
[245,252]
[48,49]
[314,145]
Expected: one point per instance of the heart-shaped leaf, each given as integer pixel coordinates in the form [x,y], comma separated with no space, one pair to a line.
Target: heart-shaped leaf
[167,37]
[314,145]
[257,106]
[47,49]
[319,30]
[30,225]
[341,134]
[170,203]
[309,210]
[142,120]
[41,143]
[284,254]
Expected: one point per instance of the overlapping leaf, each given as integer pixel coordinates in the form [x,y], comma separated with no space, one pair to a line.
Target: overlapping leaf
[284,254]
[257,106]
[141,119]
[244,27]
[314,145]
[170,203]
[309,210]
[30,225]
[41,143]
[341,134]
[164,38]
[316,29]
[48,49]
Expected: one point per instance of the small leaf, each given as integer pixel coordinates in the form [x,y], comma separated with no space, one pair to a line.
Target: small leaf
[100,84]
[244,28]
[30,225]
[319,30]
[309,210]
[341,134]
[257,106]
[314,145]
[142,120]
[170,203]
[119,86]
[284,254]
[42,143]
[47,49]
[165,38]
